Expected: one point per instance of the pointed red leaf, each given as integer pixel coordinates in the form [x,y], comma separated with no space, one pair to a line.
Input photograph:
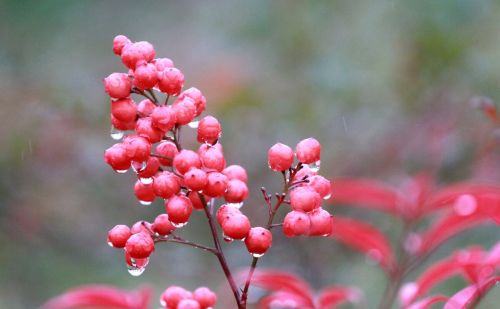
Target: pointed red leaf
[283,300]
[471,294]
[333,296]
[365,238]
[427,302]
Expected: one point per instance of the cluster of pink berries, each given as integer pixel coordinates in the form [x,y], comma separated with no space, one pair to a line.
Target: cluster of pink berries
[176,297]
[307,218]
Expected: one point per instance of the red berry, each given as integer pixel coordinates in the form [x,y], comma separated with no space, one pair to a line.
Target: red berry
[141,227]
[121,125]
[258,240]
[236,226]
[185,160]
[308,150]
[304,199]
[205,297]
[168,151]
[145,75]
[209,130]
[170,80]
[280,157]
[236,192]
[212,159]
[217,184]
[166,184]
[195,179]
[163,63]
[138,148]
[119,42]
[321,185]
[119,235]
[188,304]
[296,223]
[321,222]
[185,110]
[117,85]
[116,156]
[235,172]
[179,209]
[198,98]
[173,295]
[164,118]
[162,225]
[135,52]
[144,192]
[144,127]
[140,246]
[152,167]
[145,108]
[226,211]
[124,109]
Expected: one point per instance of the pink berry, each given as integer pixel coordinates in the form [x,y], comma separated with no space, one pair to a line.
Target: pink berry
[212,159]
[236,226]
[116,156]
[185,160]
[145,108]
[119,42]
[124,110]
[236,192]
[321,185]
[179,209]
[145,75]
[235,172]
[321,222]
[198,98]
[144,192]
[205,297]
[173,295]
[117,85]
[195,179]
[163,63]
[144,127]
[304,199]
[135,52]
[141,227]
[209,130]
[138,148]
[170,81]
[140,246]
[121,125]
[296,223]
[188,304]
[162,225]
[164,118]
[166,184]
[152,166]
[258,240]
[280,157]
[168,151]
[119,235]
[226,211]
[217,184]
[308,150]
[184,110]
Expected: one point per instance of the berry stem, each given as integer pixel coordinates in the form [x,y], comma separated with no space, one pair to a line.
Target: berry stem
[180,240]
[151,92]
[138,91]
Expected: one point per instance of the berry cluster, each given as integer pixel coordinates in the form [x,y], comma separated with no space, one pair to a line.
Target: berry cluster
[176,297]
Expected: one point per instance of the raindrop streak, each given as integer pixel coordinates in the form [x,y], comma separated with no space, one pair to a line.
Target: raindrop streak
[137,266]
[139,166]
[235,205]
[145,203]
[179,225]
[147,181]
[256,255]
[194,124]
[227,238]
[314,167]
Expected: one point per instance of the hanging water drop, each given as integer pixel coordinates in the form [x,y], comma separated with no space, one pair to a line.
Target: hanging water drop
[235,205]
[328,196]
[227,238]
[257,255]
[121,171]
[145,203]
[147,181]
[110,244]
[179,225]
[136,267]
[314,167]
[139,166]
[116,134]
[193,124]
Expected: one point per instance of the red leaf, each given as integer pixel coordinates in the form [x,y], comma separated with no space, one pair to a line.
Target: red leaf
[365,238]
[427,302]
[333,296]
[471,294]
[283,300]
[100,296]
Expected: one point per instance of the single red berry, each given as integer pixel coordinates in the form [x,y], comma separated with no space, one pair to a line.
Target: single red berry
[304,199]
[162,225]
[236,192]
[258,240]
[166,184]
[188,304]
[144,127]
[170,80]
[235,172]
[144,192]
[212,159]
[236,226]
[141,227]
[116,156]
[140,246]
[209,130]
[198,98]
[163,63]
[304,172]
[117,85]
[226,211]
[321,185]
[217,184]
[135,52]
[185,110]
[138,148]
[195,179]
[321,222]
[145,108]
[185,160]
[124,109]
[296,223]
[164,118]
[179,209]
[121,125]
[145,75]
[167,151]
[152,167]
[119,42]
[308,150]
[119,235]
[280,157]
[205,297]
[173,295]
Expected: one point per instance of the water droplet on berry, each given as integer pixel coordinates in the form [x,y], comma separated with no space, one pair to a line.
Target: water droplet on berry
[110,244]
[163,303]
[256,255]
[137,266]
[116,134]
[325,235]
[193,124]
[147,181]
[326,197]
[314,167]
[235,205]
[465,205]
[145,203]
[121,171]
[179,225]
[139,166]
[227,238]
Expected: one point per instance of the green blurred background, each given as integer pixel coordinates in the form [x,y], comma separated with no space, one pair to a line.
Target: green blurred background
[384,85]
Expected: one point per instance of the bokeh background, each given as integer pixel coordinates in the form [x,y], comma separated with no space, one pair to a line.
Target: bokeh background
[384,85]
